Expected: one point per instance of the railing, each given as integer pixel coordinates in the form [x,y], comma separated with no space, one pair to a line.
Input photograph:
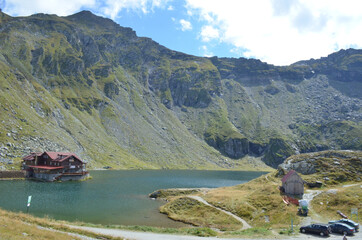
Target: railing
[76,173]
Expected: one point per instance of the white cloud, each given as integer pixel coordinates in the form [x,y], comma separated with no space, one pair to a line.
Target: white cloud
[113,7]
[109,8]
[185,25]
[281,31]
[209,33]
[62,8]
[205,51]
[170,8]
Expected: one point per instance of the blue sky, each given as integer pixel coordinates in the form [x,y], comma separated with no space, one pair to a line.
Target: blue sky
[279,32]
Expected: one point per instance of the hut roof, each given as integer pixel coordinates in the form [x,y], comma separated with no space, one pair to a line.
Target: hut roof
[32,156]
[54,156]
[290,173]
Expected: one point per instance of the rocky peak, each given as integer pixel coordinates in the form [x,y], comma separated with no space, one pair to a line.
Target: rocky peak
[92,21]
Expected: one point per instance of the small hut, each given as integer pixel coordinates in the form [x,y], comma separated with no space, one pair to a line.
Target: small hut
[293,184]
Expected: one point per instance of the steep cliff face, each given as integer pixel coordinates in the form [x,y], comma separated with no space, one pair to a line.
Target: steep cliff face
[83,83]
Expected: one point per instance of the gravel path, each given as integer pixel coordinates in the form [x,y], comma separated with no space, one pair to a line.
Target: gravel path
[157,236]
[200,199]
[70,234]
[309,195]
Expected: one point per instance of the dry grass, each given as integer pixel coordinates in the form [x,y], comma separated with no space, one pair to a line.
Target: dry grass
[13,225]
[256,201]
[16,229]
[338,166]
[341,199]
[192,211]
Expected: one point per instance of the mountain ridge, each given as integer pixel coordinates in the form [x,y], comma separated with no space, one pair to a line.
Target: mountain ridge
[128,102]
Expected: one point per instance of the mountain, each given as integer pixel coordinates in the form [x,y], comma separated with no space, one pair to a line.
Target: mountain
[82,83]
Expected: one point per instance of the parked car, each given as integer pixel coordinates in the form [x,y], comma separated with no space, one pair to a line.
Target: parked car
[317,228]
[342,228]
[348,222]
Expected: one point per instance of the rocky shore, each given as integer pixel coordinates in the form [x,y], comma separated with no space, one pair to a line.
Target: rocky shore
[11,174]
[164,193]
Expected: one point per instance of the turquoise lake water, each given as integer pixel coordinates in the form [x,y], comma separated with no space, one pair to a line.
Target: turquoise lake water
[112,197]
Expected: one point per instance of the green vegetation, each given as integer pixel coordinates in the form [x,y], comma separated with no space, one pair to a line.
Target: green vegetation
[84,84]
[331,167]
[171,192]
[192,211]
[339,199]
[196,231]
[255,232]
[219,129]
[20,226]
[255,202]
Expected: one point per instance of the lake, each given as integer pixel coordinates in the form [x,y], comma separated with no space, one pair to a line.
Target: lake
[112,197]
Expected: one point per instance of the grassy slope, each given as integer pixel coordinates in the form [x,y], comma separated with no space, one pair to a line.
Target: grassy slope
[14,226]
[332,167]
[254,200]
[16,229]
[131,130]
[92,87]
[260,198]
[189,210]
[339,199]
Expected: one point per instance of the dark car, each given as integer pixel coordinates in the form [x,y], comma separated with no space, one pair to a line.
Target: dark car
[342,228]
[317,228]
[348,222]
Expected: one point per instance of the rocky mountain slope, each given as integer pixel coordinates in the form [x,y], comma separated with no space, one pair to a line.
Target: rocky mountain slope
[329,167]
[83,83]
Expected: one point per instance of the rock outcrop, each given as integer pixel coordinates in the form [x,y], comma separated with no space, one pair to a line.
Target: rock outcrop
[87,85]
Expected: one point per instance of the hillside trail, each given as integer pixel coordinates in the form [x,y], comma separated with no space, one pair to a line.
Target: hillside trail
[312,216]
[200,199]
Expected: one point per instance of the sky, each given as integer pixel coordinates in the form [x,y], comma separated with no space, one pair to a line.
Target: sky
[279,32]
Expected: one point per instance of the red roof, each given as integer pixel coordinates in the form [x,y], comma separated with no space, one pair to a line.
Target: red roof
[290,173]
[58,155]
[32,156]
[46,167]
[61,156]
[54,156]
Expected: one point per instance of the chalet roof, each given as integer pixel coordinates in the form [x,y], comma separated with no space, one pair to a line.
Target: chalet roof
[32,156]
[290,173]
[54,156]
[58,155]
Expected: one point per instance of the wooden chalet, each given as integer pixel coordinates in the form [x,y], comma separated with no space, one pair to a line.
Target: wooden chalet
[293,184]
[53,166]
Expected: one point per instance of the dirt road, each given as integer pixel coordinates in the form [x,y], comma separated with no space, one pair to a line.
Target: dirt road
[157,236]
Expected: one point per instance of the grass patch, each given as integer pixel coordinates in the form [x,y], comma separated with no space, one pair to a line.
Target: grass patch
[252,232]
[194,212]
[17,229]
[13,225]
[341,199]
[255,202]
[196,231]
[172,192]
[286,232]
[332,167]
